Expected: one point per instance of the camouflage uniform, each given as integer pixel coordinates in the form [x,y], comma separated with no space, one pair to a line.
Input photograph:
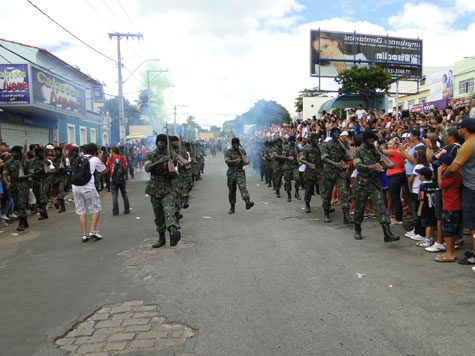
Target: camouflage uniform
[160,190]
[40,183]
[19,186]
[332,175]
[311,154]
[236,175]
[367,184]
[277,167]
[291,168]
[60,179]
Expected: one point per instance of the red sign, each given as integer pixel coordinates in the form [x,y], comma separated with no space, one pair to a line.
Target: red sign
[417,108]
[459,102]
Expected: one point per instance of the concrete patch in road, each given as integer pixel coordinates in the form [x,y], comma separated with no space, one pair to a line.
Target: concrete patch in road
[122,328]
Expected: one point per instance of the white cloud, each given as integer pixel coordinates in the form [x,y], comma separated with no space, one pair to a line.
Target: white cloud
[222,56]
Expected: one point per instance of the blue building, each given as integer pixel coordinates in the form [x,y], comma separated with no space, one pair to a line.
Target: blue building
[45,100]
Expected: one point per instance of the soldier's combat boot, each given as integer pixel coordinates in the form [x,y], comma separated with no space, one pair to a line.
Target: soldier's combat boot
[21,226]
[25,222]
[161,241]
[249,204]
[178,216]
[43,212]
[186,203]
[232,209]
[307,207]
[297,195]
[269,184]
[326,217]
[63,208]
[277,193]
[388,235]
[289,196]
[358,232]
[346,216]
[175,235]
[332,210]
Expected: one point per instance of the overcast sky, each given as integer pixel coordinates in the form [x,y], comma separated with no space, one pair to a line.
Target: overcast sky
[224,55]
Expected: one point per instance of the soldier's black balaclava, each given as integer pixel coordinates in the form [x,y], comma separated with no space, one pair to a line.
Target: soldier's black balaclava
[40,153]
[235,143]
[314,139]
[161,142]
[16,152]
[58,151]
[175,141]
[369,137]
[278,142]
[292,140]
[335,133]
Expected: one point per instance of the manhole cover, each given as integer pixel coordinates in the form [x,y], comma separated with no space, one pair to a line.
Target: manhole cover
[124,327]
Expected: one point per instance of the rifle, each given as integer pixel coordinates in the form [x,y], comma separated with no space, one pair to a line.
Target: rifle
[171,167]
[241,153]
[21,172]
[384,158]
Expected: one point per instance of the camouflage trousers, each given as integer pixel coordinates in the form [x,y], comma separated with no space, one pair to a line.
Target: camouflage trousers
[59,186]
[289,174]
[311,178]
[177,189]
[328,182]
[277,177]
[40,189]
[19,192]
[188,182]
[236,179]
[361,194]
[164,210]
[268,170]
[195,167]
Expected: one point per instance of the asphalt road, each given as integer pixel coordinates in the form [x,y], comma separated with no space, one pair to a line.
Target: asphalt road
[268,281]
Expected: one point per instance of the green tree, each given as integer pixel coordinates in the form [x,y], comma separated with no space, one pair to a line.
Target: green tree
[131,112]
[306,93]
[366,81]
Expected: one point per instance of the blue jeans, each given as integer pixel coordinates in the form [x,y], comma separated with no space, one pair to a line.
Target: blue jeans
[10,205]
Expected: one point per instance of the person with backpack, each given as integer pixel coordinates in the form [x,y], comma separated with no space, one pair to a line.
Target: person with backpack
[86,197]
[118,169]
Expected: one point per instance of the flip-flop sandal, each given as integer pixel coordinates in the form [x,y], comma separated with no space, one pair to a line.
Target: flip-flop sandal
[444,258]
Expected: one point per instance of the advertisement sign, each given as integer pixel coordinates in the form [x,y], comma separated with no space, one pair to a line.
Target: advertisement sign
[436,104]
[55,94]
[98,93]
[334,52]
[442,85]
[416,109]
[460,102]
[14,84]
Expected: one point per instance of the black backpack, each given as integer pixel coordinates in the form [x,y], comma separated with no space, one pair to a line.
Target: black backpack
[118,176]
[80,171]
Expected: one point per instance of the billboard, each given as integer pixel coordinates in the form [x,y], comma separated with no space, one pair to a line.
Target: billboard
[442,85]
[334,52]
[14,84]
[54,93]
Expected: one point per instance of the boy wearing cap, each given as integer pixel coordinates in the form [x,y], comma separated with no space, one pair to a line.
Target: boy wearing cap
[452,208]
[426,210]
[464,163]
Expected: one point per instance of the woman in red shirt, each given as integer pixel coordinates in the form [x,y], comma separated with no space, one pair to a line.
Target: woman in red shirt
[396,177]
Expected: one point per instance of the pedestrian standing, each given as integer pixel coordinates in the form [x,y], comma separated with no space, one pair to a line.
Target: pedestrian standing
[86,197]
[118,167]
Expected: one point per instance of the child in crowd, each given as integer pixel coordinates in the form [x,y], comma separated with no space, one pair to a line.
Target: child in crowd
[418,234]
[451,208]
[426,208]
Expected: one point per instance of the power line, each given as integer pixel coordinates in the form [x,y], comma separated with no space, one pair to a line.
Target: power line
[113,14]
[72,34]
[126,14]
[100,16]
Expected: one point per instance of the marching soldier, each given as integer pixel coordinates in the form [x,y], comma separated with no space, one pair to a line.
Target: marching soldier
[160,190]
[370,164]
[278,164]
[60,178]
[40,183]
[236,159]
[291,168]
[335,157]
[312,158]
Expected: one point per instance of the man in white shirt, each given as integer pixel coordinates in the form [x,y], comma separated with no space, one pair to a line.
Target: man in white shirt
[86,197]
[360,112]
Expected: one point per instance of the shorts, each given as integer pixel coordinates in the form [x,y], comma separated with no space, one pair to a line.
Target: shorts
[427,221]
[468,208]
[87,201]
[384,181]
[451,223]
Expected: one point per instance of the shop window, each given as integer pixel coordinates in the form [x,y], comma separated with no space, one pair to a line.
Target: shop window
[423,100]
[411,103]
[71,134]
[466,86]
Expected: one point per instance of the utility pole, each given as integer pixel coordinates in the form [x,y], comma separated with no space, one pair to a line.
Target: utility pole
[174,120]
[122,121]
[154,71]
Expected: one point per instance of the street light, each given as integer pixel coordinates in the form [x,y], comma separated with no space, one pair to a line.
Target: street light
[132,73]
